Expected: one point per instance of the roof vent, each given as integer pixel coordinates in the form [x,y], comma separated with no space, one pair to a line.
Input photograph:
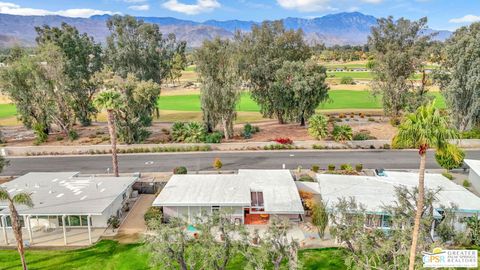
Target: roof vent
[60,195]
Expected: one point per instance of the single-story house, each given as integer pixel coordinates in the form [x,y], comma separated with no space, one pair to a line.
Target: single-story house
[66,200]
[474,174]
[375,192]
[250,196]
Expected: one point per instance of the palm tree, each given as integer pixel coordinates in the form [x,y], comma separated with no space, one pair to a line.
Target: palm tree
[110,101]
[17,199]
[426,128]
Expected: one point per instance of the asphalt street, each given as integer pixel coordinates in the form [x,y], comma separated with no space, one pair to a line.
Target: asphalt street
[202,161]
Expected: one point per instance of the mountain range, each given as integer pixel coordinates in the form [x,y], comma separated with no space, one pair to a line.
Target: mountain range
[347,28]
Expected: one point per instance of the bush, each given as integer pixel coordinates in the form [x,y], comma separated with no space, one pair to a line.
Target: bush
[359,167]
[466,183]
[315,168]
[189,132]
[284,141]
[318,126]
[153,213]
[114,222]
[346,167]
[347,80]
[342,133]
[249,130]
[448,175]
[331,167]
[279,147]
[361,136]
[471,134]
[318,146]
[214,137]
[217,164]
[306,178]
[180,170]
[386,146]
[450,158]
[371,119]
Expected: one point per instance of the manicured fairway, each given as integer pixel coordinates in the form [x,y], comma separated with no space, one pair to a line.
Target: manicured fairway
[365,75]
[7,110]
[110,255]
[339,99]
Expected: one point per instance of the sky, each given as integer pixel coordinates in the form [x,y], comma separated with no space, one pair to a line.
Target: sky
[442,14]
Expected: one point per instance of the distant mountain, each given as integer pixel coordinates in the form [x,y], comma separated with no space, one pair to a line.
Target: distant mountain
[345,28]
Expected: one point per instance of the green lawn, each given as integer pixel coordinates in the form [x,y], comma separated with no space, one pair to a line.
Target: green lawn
[111,255]
[339,99]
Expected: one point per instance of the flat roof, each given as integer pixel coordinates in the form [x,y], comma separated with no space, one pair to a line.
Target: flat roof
[66,193]
[374,192]
[473,164]
[280,193]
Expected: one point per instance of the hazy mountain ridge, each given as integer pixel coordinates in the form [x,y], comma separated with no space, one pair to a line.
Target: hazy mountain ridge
[342,28]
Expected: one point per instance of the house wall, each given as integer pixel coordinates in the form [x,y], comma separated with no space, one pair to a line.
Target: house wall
[190,212]
[112,210]
[474,178]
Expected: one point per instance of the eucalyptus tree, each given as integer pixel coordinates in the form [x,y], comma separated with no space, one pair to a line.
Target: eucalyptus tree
[299,88]
[218,71]
[19,198]
[426,128]
[398,47]
[264,51]
[81,57]
[111,101]
[139,48]
[459,76]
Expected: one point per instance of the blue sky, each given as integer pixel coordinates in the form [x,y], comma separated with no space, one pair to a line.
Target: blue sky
[442,14]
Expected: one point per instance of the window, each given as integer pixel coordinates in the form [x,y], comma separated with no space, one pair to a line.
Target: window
[215,209]
[9,221]
[74,220]
[256,198]
[84,220]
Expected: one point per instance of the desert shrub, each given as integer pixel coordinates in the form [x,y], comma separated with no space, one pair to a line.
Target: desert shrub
[73,135]
[450,158]
[40,135]
[331,167]
[153,213]
[278,147]
[214,137]
[362,115]
[359,167]
[466,183]
[371,119]
[395,121]
[342,133]
[315,168]
[318,146]
[448,175]
[471,134]
[59,138]
[346,167]
[249,130]
[361,136]
[342,115]
[283,140]
[320,217]
[306,178]
[189,132]
[386,146]
[347,80]
[217,164]
[318,126]
[180,170]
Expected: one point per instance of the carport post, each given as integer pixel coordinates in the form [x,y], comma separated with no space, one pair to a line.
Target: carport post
[4,228]
[30,235]
[89,229]
[64,230]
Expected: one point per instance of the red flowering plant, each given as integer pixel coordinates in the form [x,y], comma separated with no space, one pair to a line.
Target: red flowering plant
[283,140]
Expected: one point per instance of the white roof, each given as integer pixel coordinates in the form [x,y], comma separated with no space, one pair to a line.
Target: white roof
[374,192]
[66,193]
[473,164]
[280,193]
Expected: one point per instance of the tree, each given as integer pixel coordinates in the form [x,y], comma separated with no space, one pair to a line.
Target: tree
[139,102]
[139,48]
[81,58]
[320,217]
[459,76]
[20,198]
[372,247]
[179,63]
[318,126]
[218,71]
[424,129]
[264,51]
[299,88]
[111,101]
[398,48]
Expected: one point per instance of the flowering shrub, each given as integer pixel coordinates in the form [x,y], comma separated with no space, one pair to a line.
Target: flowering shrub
[283,140]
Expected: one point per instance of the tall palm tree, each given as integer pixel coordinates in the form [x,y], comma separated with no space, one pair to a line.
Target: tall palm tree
[17,199]
[426,128]
[112,102]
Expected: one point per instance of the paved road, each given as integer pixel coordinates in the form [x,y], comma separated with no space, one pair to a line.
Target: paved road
[231,160]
